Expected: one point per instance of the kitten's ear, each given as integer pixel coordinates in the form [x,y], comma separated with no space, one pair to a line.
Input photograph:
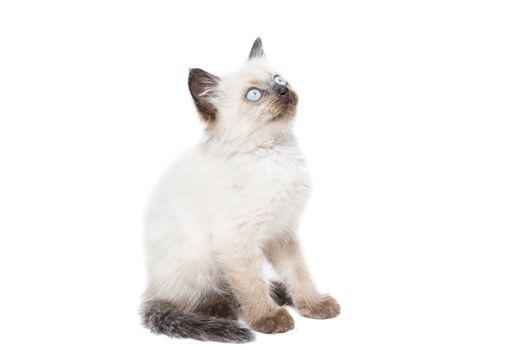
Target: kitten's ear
[203,89]
[257,49]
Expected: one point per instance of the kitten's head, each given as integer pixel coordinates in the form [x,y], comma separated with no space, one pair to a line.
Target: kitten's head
[253,101]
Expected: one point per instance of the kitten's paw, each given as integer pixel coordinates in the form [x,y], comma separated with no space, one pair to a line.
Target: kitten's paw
[323,307]
[278,321]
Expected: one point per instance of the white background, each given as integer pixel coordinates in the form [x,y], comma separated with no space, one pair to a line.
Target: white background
[411,114]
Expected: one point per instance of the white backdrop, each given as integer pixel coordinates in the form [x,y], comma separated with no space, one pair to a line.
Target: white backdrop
[411,115]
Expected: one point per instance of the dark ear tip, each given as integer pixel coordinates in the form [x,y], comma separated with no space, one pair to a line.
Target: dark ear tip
[201,72]
[197,75]
[257,49]
[194,72]
[191,75]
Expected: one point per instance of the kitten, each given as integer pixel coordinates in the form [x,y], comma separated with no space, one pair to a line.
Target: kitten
[230,202]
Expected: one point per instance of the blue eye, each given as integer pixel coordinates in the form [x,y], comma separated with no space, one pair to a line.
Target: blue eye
[253,95]
[279,80]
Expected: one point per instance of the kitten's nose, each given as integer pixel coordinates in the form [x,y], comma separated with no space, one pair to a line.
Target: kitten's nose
[281,90]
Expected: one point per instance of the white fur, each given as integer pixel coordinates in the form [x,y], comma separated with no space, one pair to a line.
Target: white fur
[246,183]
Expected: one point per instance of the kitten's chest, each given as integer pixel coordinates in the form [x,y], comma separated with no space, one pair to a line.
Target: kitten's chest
[275,182]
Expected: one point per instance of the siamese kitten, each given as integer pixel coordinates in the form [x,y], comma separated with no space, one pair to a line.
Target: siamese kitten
[229,203]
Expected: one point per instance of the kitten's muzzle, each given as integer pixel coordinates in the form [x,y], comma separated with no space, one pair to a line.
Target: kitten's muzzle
[281,90]
[283,103]
[285,95]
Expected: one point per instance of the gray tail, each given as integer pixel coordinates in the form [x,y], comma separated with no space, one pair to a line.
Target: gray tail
[163,317]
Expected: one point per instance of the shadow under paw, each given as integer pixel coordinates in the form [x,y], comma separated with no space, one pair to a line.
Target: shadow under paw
[279,294]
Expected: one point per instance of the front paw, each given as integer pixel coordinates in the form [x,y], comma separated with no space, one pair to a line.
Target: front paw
[320,308]
[277,321]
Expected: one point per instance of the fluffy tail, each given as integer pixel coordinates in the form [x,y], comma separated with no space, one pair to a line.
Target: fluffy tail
[162,317]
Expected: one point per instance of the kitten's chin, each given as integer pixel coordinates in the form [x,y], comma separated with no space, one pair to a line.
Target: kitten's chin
[283,116]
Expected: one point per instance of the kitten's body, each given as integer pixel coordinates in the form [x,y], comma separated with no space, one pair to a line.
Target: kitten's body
[240,191]
[228,203]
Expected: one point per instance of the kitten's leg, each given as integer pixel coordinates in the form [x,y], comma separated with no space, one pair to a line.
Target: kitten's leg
[242,268]
[287,259]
